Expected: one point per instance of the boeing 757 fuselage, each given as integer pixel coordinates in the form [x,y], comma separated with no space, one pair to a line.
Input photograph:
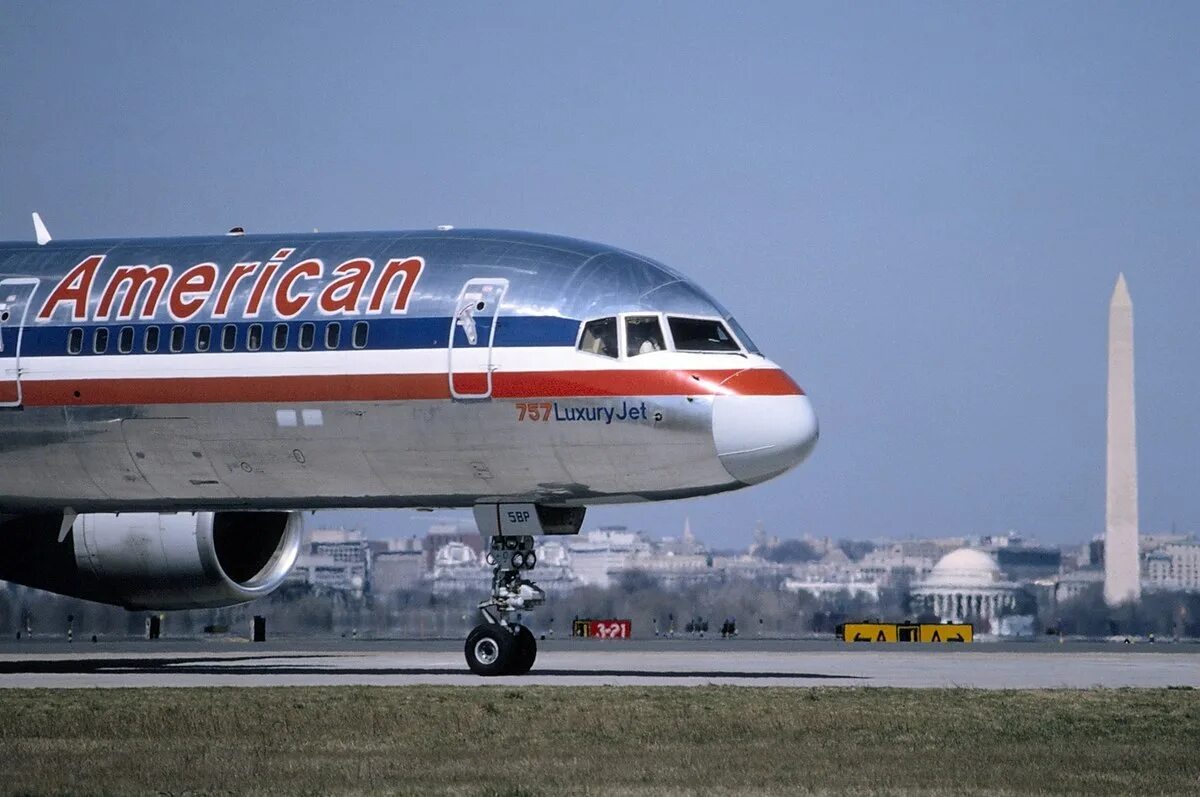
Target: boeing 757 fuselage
[170,405]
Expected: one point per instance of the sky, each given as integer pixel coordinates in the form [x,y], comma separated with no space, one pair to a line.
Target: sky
[919,210]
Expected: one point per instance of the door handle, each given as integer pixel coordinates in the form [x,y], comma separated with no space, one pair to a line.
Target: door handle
[465,318]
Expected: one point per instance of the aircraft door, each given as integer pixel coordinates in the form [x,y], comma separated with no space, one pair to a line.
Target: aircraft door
[472,333]
[15,294]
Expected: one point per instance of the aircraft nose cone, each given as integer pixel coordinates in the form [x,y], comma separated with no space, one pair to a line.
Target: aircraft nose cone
[759,437]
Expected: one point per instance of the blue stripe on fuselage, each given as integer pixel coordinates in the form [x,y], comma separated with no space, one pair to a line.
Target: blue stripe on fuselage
[385,333]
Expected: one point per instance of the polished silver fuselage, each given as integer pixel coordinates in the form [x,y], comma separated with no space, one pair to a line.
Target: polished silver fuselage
[421,415]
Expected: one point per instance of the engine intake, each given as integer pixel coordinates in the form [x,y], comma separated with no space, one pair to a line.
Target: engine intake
[150,560]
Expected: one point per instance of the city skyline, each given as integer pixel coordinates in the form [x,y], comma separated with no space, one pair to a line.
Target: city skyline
[382,524]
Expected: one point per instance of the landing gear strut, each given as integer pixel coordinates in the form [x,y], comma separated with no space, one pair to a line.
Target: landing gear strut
[497,646]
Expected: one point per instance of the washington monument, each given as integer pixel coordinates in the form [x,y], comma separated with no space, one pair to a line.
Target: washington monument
[1121,567]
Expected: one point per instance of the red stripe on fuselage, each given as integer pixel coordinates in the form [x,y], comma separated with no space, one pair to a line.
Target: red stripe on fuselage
[401,387]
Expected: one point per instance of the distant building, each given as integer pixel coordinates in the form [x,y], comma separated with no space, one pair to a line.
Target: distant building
[342,551]
[442,534]
[554,572]
[413,543]
[1074,557]
[1151,542]
[597,556]
[1071,585]
[392,571]
[459,568]
[333,559]
[931,548]
[762,542]
[822,589]
[966,585]
[1174,566]
[325,572]
[685,545]
[1026,563]
[325,536]
[896,565]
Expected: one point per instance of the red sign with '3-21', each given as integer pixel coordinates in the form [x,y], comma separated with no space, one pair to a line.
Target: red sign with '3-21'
[610,629]
[602,629]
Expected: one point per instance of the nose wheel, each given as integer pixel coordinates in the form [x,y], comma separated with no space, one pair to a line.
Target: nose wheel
[494,649]
[490,649]
[497,646]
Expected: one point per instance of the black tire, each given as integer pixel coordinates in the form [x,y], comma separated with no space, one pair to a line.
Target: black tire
[524,650]
[490,650]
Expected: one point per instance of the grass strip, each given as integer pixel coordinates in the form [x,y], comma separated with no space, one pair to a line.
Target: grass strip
[598,740]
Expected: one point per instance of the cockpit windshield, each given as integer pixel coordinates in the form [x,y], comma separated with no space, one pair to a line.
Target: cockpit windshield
[637,334]
[643,335]
[600,337]
[701,334]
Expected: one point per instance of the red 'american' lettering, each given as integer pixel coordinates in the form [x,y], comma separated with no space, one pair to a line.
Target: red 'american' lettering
[90,291]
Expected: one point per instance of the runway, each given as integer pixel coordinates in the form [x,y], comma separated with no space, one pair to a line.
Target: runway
[210,663]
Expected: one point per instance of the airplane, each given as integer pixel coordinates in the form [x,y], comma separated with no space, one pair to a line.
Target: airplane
[169,407]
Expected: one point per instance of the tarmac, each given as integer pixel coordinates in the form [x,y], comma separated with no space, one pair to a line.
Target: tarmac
[564,662]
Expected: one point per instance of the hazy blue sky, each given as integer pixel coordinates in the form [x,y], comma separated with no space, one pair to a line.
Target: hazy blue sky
[919,210]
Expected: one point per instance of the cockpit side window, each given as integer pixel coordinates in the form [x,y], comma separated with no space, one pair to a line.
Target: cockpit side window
[600,337]
[748,344]
[643,334]
[701,334]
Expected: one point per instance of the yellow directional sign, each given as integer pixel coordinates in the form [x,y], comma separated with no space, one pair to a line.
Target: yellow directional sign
[947,632]
[870,632]
[906,632]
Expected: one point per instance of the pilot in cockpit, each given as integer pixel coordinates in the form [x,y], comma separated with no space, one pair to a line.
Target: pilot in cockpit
[643,335]
[600,337]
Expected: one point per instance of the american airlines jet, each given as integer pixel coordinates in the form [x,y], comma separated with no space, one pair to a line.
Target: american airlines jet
[171,406]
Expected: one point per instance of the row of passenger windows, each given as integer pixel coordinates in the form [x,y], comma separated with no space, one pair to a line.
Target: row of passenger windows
[644,334]
[230,338]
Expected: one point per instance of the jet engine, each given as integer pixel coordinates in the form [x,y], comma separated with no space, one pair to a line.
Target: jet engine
[151,560]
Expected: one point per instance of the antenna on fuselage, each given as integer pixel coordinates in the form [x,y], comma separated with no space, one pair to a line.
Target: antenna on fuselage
[39,229]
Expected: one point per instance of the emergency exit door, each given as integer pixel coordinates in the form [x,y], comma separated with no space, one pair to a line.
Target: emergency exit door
[15,294]
[472,335]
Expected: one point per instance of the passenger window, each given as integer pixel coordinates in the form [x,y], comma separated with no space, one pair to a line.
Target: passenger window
[643,334]
[228,337]
[203,337]
[360,335]
[100,341]
[308,333]
[151,342]
[125,340]
[701,334]
[333,334]
[177,337]
[75,341]
[279,341]
[254,337]
[600,337]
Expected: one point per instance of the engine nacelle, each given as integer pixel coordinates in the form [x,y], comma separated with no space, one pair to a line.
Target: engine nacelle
[152,561]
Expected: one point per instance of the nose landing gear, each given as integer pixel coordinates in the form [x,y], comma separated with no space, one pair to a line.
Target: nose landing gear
[497,646]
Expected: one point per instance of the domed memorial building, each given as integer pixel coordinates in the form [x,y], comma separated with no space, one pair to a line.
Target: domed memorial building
[965,584]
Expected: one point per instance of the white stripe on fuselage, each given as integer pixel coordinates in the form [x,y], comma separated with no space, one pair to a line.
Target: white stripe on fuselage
[368,361]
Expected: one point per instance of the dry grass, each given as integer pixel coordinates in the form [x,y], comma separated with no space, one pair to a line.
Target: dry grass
[423,740]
